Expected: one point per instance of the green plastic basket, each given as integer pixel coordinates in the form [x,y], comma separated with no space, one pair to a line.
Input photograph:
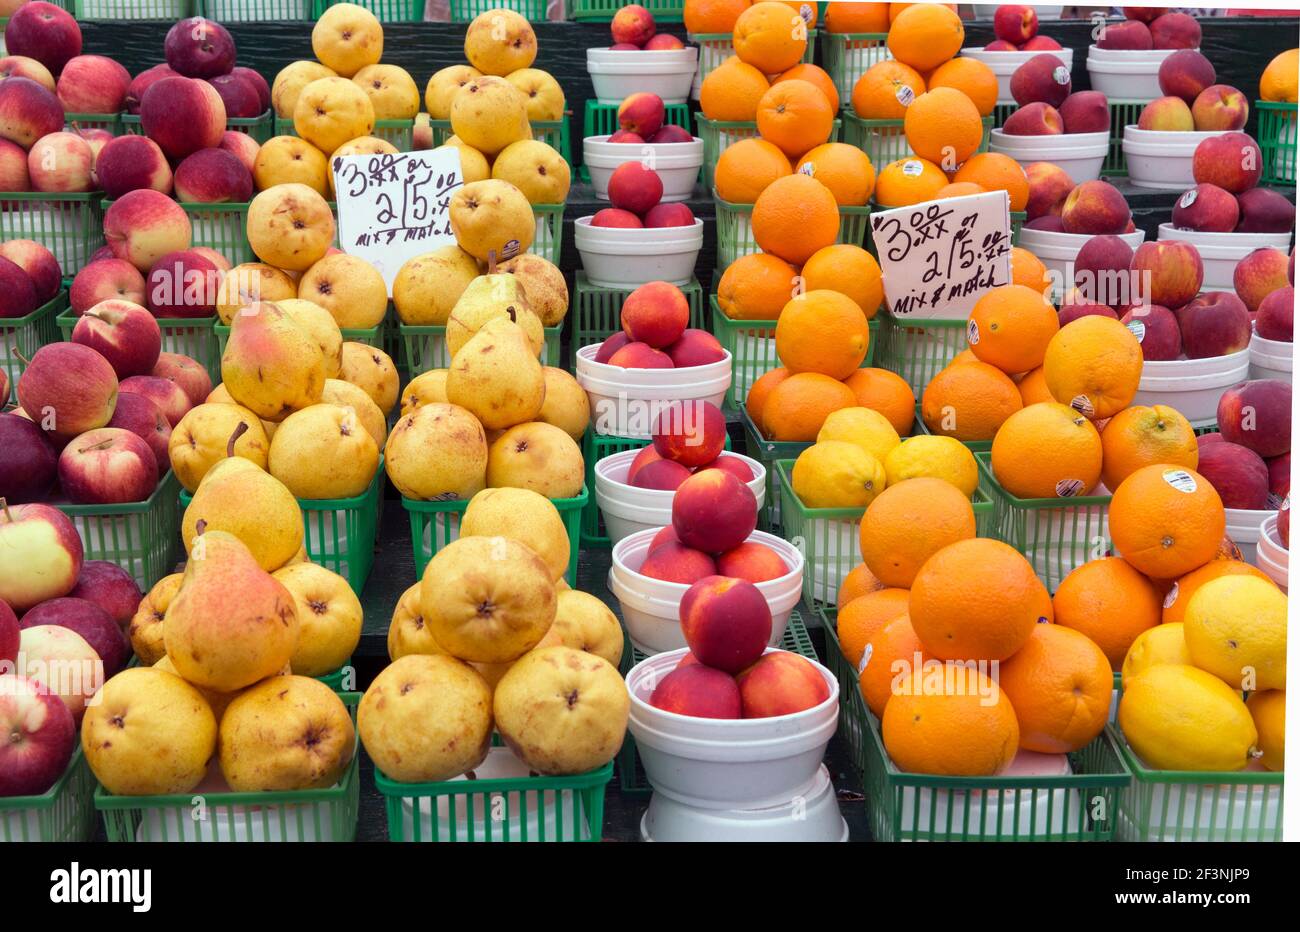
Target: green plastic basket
[287,815]
[424,347]
[386,11]
[1080,806]
[602,11]
[254,11]
[601,119]
[1122,113]
[371,336]
[717,135]
[464,11]
[261,128]
[1054,534]
[21,337]
[64,812]
[141,537]
[597,312]
[555,133]
[1277,142]
[769,452]
[828,537]
[223,227]
[1167,805]
[434,525]
[883,140]
[86,121]
[398,132]
[194,337]
[847,55]
[916,350]
[71,226]
[338,679]
[631,775]
[131,9]
[736,236]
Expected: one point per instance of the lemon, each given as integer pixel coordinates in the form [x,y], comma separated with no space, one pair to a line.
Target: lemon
[1268,709]
[938,457]
[836,474]
[1236,629]
[1178,717]
[869,429]
[1161,644]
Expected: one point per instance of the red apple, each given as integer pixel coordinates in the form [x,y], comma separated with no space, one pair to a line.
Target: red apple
[1238,474]
[93,84]
[68,389]
[104,280]
[109,466]
[13,167]
[29,465]
[142,82]
[28,111]
[167,395]
[183,284]
[45,32]
[185,372]
[183,115]
[199,48]
[259,84]
[238,95]
[111,588]
[17,291]
[40,555]
[1214,324]
[39,264]
[125,334]
[90,621]
[9,636]
[212,176]
[132,163]
[142,417]
[40,736]
[1257,414]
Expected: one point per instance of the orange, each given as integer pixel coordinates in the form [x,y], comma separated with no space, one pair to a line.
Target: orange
[969,401]
[973,78]
[1278,82]
[925,35]
[886,392]
[864,616]
[814,76]
[844,169]
[909,181]
[1180,594]
[1166,520]
[1010,327]
[860,581]
[758,392]
[963,357]
[1033,388]
[1047,450]
[797,406]
[885,90]
[1094,365]
[850,270]
[756,287]
[1110,602]
[977,599]
[908,523]
[959,189]
[770,36]
[963,726]
[1028,270]
[994,171]
[794,217]
[712,16]
[896,8]
[943,126]
[822,331]
[1059,684]
[746,168]
[893,652]
[731,91]
[857,17]
[1143,436]
[795,116]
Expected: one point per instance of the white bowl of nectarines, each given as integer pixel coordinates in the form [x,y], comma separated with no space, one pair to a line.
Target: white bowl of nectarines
[625,400]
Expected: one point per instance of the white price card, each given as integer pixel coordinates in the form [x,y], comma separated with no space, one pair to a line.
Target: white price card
[939,257]
[393,207]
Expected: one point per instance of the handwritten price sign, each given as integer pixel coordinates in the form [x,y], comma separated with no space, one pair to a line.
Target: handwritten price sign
[939,257]
[394,207]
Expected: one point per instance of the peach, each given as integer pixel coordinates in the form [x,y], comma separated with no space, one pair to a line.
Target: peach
[132,163]
[656,313]
[670,132]
[1169,272]
[624,136]
[13,167]
[695,348]
[1220,107]
[143,81]
[183,284]
[1258,275]
[199,48]
[675,214]
[641,113]
[733,465]
[1207,208]
[62,162]
[1279,475]
[45,32]
[39,264]
[714,511]
[674,562]
[104,280]
[182,115]
[17,293]
[664,475]
[1185,74]
[213,176]
[640,356]
[663,41]
[1276,315]
[696,690]
[1036,119]
[1130,35]
[1101,271]
[691,433]
[143,226]
[28,111]
[752,561]
[727,622]
[634,187]
[1039,44]
[93,84]
[633,24]
[1086,112]
[644,457]
[1142,13]
[1214,324]
[1237,473]
[1015,23]
[20,66]
[1175,31]
[242,146]
[1233,161]
[1157,331]
[1049,186]
[1257,415]
[1095,207]
[1264,210]
[614,217]
[168,396]
[665,535]
[1167,114]
[1051,222]
[611,345]
[781,683]
[1000,45]
[1044,78]
[238,95]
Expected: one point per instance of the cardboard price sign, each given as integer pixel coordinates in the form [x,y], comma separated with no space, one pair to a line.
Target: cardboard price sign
[394,207]
[939,257]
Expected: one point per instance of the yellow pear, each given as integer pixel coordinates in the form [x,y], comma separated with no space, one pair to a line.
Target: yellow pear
[543,286]
[290,160]
[146,626]
[521,515]
[474,165]
[211,432]
[237,497]
[217,701]
[249,282]
[487,298]
[290,81]
[330,111]
[496,376]
[371,370]
[391,90]
[349,287]
[427,287]
[544,94]
[407,632]
[425,388]
[437,453]
[321,326]
[290,226]
[272,366]
[347,395]
[500,41]
[442,87]
[535,169]
[566,405]
[489,113]
[492,219]
[329,618]
[585,623]
[536,456]
[323,452]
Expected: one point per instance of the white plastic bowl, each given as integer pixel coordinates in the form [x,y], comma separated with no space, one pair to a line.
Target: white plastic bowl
[1004,65]
[615,74]
[677,163]
[1192,386]
[1161,159]
[1058,251]
[1270,555]
[625,402]
[811,815]
[1220,252]
[1245,527]
[1270,359]
[1126,74]
[616,257]
[726,764]
[650,606]
[1079,155]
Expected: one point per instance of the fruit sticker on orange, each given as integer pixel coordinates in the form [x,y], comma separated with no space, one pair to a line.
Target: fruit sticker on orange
[1180,479]
[905,96]
[1069,488]
[866,659]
